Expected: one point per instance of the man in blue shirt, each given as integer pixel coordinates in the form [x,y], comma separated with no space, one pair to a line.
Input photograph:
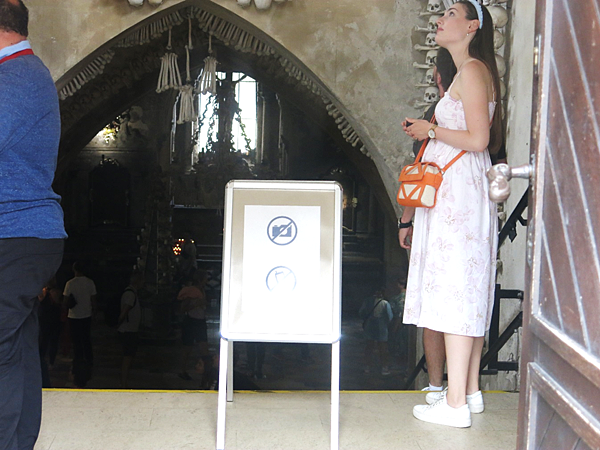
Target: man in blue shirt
[31,222]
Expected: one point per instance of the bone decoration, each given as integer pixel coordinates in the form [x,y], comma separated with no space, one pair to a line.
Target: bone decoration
[138,3]
[260,4]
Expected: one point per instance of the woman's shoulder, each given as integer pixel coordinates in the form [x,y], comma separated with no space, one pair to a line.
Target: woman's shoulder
[474,69]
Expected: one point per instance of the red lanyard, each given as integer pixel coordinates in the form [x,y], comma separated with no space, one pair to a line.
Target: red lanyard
[16,55]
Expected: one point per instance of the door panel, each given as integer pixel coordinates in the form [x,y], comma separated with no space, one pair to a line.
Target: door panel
[560,380]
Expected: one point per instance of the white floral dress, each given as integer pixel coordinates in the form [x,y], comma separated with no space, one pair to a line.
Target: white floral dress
[452,270]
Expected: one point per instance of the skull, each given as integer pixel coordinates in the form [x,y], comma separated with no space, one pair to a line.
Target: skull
[136,2]
[262,4]
[501,65]
[430,40]
[498,39]
[429,79]
[499,16]
[434,6]
[432,24]
[432,95]
[431,57]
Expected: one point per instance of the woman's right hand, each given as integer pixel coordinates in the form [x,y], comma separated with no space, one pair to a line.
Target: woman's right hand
[405,237]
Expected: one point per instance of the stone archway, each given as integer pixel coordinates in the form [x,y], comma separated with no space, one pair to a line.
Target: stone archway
[113,77]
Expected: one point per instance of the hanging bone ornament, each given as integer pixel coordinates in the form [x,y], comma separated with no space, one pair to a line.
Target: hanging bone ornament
[430,40]
[169,76]
[136,2]
[499,16]
[430,58]
[498,39]
[431,95]
[435,6]
[501,65]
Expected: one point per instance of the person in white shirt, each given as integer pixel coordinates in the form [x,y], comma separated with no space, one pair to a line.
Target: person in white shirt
[80,315]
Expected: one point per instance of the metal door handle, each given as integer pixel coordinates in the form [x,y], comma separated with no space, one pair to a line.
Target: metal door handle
[500,174]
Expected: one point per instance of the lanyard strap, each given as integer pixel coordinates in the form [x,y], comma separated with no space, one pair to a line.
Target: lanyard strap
[16,55]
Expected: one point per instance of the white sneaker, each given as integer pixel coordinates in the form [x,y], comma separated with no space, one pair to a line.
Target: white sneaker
[475,400]
[435,396]
[443,414]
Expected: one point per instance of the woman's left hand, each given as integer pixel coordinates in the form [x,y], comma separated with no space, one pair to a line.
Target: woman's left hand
[418,130]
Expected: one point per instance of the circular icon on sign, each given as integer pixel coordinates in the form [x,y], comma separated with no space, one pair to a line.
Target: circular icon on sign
[282,230]
[281,279]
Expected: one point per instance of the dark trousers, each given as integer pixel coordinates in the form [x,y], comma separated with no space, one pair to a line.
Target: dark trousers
[26,264]
[83,358]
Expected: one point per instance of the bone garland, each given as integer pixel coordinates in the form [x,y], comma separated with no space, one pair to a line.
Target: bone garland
[169,77]
[151,31]
[187,109]
[88,73]
[208,80]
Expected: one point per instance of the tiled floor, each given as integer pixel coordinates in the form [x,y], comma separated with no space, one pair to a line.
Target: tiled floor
[92,420]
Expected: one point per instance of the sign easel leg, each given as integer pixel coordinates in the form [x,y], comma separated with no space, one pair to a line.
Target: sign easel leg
[335,395]
[230,372]
[223,371]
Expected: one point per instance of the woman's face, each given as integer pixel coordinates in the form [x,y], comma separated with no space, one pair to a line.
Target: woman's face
[453,26]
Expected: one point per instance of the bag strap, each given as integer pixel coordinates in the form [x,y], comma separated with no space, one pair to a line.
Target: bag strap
[371,312]
[426,141]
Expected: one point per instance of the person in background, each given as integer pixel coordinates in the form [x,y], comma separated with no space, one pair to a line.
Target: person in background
[80,298]
[194,328]
[49,313]
[376,313]
[32,231]
[128,324]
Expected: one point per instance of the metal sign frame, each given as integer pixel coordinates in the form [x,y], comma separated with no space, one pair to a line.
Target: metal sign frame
[310,197]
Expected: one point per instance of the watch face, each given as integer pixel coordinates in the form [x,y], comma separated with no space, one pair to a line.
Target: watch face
[431,134]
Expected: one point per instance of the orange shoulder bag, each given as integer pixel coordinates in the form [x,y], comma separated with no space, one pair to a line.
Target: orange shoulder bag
[420,181]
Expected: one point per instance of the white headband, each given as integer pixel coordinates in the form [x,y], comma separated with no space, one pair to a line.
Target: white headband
[477,6]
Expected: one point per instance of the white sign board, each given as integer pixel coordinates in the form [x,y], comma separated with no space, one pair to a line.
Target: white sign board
[281,262]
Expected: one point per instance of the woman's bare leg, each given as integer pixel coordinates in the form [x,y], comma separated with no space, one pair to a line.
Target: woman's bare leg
[458,358]
[473,378]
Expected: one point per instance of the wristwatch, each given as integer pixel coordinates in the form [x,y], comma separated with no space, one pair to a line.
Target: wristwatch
[431,132]
[404,225]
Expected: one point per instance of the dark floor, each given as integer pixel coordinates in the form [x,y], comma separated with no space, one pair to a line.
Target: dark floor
[157,364]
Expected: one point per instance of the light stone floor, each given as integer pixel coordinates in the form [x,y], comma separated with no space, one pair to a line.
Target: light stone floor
[300,420]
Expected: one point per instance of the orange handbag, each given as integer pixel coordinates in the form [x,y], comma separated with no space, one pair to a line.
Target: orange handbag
[420,181]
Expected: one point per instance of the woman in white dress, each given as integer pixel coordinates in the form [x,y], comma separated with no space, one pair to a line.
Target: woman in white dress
[453,247]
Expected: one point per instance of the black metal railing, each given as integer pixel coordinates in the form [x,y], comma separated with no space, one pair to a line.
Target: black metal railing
[496,340]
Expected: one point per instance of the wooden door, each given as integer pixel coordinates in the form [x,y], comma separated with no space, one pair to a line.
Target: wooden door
[560,381]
